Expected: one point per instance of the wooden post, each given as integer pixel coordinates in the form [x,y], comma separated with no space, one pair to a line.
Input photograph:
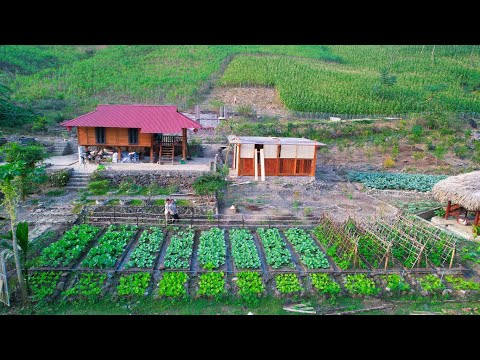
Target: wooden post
[151,152]
[237,162]
[255,164]
[451,260]
[448,210]
[184,144]
[477,218]
[262,164]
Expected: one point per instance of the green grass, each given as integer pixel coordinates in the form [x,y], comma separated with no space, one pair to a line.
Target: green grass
[56,192]
[269,305]
[160,202]
[180,202]
[64,82]
[135,202]
[113,202]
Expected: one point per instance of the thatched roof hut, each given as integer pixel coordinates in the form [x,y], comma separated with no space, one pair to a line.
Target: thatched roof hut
[463,190]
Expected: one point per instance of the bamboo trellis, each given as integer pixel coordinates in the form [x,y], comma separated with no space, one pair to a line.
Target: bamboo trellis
[380,248]
[405,248]
[345,241]
[437,240]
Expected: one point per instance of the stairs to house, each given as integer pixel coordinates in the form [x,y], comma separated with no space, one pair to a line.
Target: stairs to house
[61,148]
[166,153]
[78,181]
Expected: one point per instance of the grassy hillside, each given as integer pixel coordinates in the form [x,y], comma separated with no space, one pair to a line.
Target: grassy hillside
[65,81]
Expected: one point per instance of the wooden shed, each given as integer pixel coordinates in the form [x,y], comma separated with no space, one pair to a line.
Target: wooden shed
[273,156]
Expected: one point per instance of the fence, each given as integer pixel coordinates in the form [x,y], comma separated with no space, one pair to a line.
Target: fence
[238,220]
[4,294]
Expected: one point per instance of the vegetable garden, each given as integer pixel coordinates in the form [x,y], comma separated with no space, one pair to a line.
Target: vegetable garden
[353,258]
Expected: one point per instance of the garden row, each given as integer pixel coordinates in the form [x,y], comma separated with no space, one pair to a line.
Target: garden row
[329,247]
[87,286]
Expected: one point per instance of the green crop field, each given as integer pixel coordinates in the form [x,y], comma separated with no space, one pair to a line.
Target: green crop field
[323,79]
[353,86]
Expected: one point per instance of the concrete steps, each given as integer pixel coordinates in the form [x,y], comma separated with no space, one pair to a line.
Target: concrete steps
[78,181]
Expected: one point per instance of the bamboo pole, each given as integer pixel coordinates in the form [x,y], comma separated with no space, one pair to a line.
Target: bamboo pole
[255,164]
[262,164]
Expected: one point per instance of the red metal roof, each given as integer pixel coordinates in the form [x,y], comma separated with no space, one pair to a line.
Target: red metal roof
[148,118]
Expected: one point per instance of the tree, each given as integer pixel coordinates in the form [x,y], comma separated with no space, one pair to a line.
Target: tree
[8,173]
[26,158]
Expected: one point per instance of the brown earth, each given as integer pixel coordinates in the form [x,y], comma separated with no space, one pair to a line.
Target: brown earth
[264,100]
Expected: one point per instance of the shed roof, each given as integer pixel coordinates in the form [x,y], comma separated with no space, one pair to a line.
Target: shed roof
[233,139]
[463,190]
[148,118]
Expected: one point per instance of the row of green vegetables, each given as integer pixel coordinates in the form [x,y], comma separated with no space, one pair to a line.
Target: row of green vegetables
[249,284]
[212,248]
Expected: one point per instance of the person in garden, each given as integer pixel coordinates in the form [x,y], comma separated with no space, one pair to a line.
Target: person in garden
[167,210]
[173,209]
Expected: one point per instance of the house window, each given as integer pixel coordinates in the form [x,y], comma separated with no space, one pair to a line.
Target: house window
[100,135]
[133,136]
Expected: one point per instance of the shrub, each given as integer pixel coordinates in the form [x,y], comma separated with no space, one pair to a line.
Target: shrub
[209,184]
[99,187]
[388,163]
[59,178]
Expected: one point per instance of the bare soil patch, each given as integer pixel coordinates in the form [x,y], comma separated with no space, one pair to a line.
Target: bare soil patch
[264,100]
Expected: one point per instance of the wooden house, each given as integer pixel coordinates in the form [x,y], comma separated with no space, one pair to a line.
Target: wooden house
[273,156]
[151,129]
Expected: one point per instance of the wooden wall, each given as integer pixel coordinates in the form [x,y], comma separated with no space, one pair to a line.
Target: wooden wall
[113,137]
[279,167]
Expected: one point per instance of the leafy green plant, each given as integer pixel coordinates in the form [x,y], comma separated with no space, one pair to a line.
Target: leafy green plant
[369,249]
[172,284]
[476,230]
[88,286]
[287,283]
[100,187]
[396,283]
[43,283]
[310,253]
[471,252]
[209,184]
[244,251]
[135,202]
[276,251]
[143,256]
[211,284]
[440,212]
[459,283]
[396,181]
[212,249]
[69,247]
[431,283]
[360,284]
[325,284]
[250,285]
[134,284]
[180,249]
[59,178]
[332,241]
[110,246]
